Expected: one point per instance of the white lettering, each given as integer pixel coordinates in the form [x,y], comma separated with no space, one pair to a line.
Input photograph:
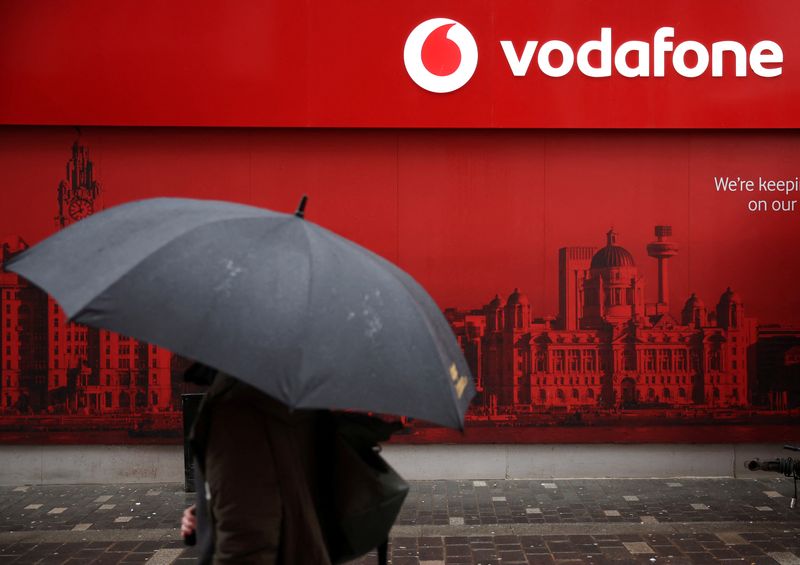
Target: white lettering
[604,47]
[728,184]
[660,48]
[642,50]
[632,58]
[739,53]
[766,52]
[519,65]
[679,59]
[567,56]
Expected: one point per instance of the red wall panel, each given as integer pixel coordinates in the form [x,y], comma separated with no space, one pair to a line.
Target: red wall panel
[472,214]
[340,64]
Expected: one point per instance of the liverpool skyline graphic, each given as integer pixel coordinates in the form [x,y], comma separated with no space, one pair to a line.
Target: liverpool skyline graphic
[608,360]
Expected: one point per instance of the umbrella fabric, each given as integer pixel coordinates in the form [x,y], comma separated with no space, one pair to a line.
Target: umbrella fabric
[307,316]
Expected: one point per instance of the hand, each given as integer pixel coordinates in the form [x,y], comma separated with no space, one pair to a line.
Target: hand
[188,522]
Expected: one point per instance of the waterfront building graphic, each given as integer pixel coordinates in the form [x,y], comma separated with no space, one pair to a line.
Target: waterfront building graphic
[605,351]
[50,365]
[607,348]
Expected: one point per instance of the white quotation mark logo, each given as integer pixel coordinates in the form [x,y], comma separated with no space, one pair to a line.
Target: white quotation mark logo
[440,55]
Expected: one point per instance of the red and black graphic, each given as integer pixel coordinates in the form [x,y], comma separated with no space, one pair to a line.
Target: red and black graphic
[65,377]
[611,358]
[679,323]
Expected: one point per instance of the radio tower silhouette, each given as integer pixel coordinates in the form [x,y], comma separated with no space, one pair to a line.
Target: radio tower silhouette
[662,249]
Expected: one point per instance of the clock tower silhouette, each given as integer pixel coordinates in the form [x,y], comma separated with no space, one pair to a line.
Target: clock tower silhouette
[78,193]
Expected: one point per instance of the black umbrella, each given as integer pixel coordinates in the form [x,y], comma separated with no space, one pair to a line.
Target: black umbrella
[303,314]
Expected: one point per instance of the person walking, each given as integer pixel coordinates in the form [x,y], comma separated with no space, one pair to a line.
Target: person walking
[264,479]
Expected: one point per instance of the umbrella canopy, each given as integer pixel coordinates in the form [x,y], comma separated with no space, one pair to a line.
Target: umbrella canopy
[307,316]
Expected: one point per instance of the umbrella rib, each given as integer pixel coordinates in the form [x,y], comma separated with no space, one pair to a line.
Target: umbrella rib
[255,242]
[297,393]
[304,391]
[434,337]
[376,259]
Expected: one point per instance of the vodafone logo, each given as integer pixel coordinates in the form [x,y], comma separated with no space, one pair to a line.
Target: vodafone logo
[440,55]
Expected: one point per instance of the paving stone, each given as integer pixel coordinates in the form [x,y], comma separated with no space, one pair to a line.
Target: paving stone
[785,558]
[731,538]
[636,547]
[456,521]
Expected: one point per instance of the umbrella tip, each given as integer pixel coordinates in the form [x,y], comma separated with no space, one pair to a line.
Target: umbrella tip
[301,208]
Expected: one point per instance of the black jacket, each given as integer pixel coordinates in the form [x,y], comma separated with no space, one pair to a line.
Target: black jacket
[299,448]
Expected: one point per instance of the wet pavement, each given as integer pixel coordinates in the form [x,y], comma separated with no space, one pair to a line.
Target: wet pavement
[445,522]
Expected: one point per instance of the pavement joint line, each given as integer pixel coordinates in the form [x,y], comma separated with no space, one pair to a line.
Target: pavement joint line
[592,528]
[74,536]
[572,528]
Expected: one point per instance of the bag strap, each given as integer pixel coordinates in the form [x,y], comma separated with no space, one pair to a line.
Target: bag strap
[383,550]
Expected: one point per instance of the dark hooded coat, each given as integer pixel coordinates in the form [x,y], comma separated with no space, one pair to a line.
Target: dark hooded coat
[262,501]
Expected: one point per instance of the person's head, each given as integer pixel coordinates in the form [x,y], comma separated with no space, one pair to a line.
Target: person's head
[199,374]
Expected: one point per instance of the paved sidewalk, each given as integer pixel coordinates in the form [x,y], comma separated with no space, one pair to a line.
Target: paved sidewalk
[445,522]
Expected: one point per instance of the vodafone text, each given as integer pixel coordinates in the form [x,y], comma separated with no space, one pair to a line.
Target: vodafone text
[632,58]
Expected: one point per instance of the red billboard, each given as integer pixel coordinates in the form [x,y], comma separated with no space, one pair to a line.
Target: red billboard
[604,286]
[602,197]
[432,64]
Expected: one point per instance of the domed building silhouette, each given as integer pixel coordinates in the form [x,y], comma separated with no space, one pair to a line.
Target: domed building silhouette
[608,348]
[613,290]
